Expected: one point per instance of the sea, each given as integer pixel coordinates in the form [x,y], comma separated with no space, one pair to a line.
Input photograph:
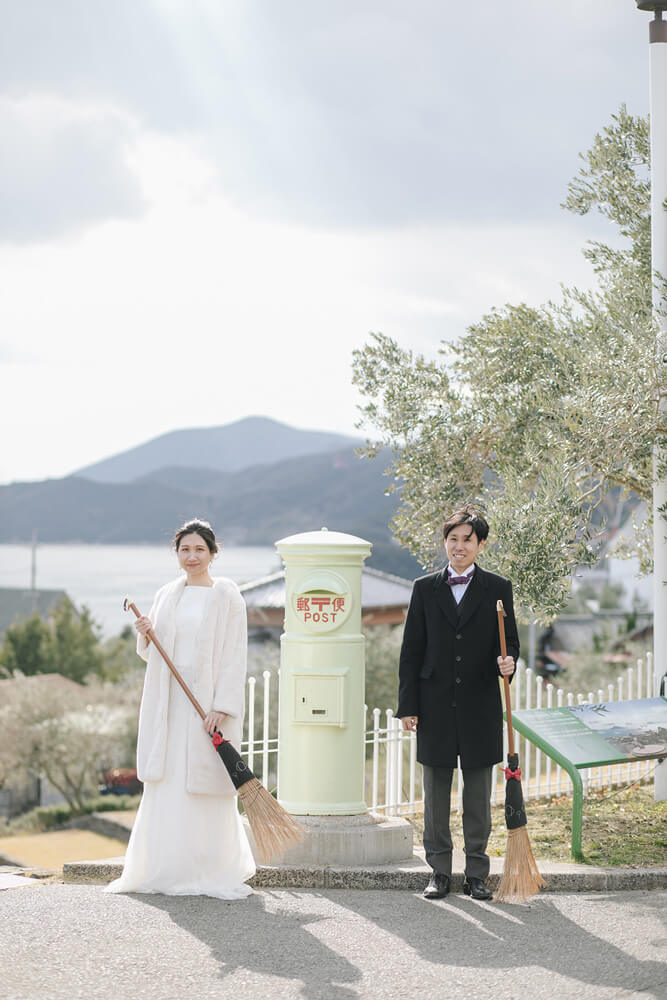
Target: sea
[101,576]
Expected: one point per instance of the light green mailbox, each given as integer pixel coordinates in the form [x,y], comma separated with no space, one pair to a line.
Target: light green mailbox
[322,719]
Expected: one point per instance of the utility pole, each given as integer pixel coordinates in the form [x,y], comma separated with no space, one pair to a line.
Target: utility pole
[33,566]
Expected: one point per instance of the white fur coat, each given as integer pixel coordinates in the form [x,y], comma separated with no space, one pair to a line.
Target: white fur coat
[221,664]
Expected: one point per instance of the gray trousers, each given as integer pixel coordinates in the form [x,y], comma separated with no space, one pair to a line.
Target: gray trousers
[476,818]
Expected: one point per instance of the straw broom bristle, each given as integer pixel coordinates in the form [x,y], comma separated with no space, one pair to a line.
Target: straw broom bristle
[274,830]
[520,879]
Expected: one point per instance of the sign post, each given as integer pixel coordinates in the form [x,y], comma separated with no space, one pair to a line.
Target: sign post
[658,120]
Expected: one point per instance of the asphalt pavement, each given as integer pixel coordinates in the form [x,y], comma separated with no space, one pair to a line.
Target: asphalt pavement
[61,940]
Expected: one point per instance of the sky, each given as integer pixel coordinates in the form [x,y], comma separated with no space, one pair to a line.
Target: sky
[207,205]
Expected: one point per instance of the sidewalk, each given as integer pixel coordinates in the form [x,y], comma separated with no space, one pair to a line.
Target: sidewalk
[63,941]
[410,875]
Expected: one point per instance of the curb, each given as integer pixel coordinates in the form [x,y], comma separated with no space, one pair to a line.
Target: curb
[409,876]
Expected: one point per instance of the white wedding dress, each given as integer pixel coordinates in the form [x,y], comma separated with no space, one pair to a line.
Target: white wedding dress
[183,844]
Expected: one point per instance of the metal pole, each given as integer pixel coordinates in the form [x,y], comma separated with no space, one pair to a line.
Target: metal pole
[33,570]
[658,110]
[33,562]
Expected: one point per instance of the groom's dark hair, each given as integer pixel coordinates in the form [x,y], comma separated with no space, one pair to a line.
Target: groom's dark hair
[467,514]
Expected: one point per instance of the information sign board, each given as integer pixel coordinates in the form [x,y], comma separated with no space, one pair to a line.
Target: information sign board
[607,733]
[582,736]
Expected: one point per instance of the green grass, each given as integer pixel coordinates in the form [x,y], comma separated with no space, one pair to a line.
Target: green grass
[622,828]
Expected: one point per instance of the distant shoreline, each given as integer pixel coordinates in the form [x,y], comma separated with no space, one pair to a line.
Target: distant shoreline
[100,575]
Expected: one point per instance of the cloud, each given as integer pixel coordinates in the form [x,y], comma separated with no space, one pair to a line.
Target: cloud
[119,53]
[274,181]
[377,113]
[63,166]
[384,114]
[197,315]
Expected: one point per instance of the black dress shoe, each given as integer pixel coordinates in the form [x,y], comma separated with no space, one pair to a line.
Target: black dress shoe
[437,887]
[476,888]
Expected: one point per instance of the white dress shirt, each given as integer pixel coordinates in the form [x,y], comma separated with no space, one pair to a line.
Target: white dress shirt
[459,589]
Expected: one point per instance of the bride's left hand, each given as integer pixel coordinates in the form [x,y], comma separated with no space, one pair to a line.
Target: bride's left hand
[214,720]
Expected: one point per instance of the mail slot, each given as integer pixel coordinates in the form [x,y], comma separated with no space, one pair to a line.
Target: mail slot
[320,699]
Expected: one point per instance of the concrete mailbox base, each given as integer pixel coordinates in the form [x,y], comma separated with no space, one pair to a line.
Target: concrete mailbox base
[367,839]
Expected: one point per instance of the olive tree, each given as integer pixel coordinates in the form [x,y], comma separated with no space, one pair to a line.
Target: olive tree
[538,414]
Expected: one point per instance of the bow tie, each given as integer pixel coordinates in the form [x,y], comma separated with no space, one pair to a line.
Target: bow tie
[453,581]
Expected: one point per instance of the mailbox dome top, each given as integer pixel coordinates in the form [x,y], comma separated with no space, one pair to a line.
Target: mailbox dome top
[323,538]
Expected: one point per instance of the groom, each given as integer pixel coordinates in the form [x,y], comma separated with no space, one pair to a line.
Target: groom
[449,693]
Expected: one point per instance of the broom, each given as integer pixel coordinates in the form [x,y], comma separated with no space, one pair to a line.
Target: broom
[274,830]
[520,879]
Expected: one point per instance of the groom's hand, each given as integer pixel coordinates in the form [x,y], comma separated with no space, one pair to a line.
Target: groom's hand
[506,666]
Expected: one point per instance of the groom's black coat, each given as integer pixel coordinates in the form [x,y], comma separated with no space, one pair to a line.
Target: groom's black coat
[448,674]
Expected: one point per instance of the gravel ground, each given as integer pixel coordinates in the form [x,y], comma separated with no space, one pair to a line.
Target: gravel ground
[71,941]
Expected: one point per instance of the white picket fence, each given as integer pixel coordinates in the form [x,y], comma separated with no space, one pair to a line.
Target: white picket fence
[394,750]
[264,749]
[393,776]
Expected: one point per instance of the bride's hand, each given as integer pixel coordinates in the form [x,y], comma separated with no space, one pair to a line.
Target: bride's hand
[214,720]
[143,625]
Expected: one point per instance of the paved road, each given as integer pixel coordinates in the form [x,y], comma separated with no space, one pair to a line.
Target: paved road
[70,941]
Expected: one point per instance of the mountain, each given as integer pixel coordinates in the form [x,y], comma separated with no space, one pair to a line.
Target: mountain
[253,506]
[78,510]
[247,442]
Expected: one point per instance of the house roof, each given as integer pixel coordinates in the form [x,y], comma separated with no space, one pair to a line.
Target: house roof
[571,632]
[378,590]
[46,684]
[17,605]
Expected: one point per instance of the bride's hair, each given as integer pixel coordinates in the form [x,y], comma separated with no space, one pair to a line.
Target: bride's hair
[196,527]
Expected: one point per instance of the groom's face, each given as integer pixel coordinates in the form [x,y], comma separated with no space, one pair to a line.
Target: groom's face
[462,546]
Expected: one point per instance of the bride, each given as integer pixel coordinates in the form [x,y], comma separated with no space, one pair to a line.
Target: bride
[188,838]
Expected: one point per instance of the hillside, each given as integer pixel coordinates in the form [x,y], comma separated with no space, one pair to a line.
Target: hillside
[255,506]
[74,509]
[251,441]
[337,490]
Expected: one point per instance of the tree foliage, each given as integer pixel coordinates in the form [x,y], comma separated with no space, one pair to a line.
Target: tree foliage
[383,646]
[535,413]
[119,657]
[26,647]
[66,643]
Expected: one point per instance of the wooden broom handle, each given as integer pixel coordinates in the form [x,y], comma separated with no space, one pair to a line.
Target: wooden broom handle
[129,605]
[508,700]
